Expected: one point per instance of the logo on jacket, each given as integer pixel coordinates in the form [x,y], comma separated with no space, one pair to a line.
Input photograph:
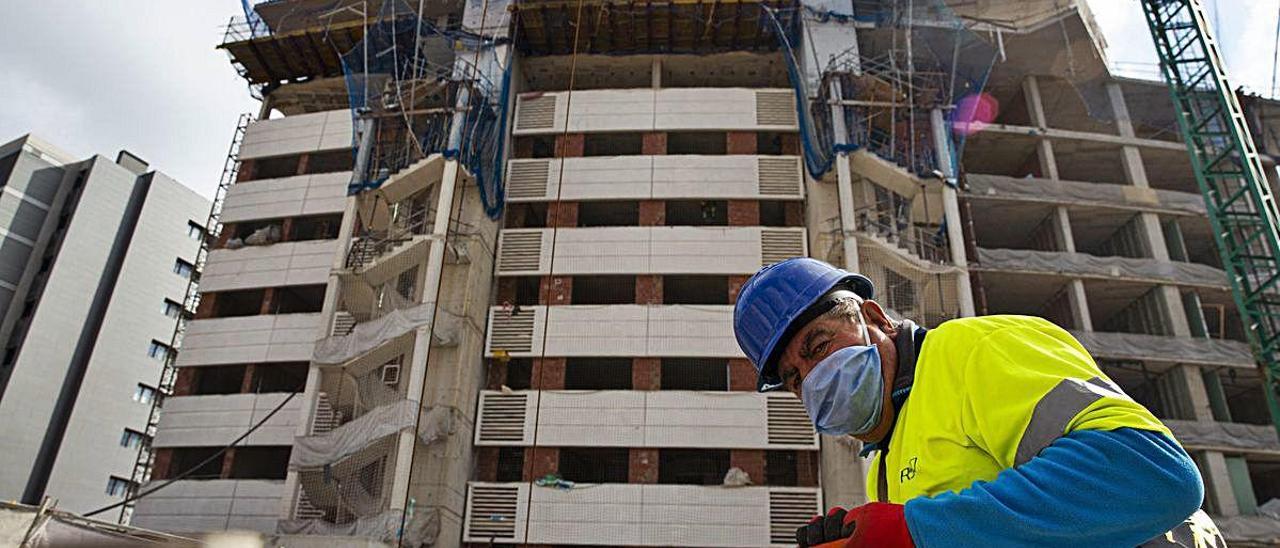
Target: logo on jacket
[908,473]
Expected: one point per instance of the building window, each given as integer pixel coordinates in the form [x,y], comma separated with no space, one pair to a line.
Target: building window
[158,350]
[144,394]
[172,309]
[183,268]
[195,231]
[131,438]
[117,487]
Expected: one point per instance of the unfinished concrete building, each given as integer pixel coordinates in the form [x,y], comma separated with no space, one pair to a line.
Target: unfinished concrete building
[496,307]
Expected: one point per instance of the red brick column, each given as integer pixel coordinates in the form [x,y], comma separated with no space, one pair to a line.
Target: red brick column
[228,461]
[303,160]
[654,144]
[807,468]
[740,142]
[555,290]
[642,466]
[523,147]
[742,375]
[208,302]
[225,235]
[793,213]
[572,145]
[646,373]
[246,384]
[540,461]
[497,375]
[744,213]
[247,170]
[547,374]
[735,286]
[160,466]
[750,461]
[506,290]
[648,289]
[268,301]
[486,464]
[653,213]
[185,382]
[791,144]
[562,214]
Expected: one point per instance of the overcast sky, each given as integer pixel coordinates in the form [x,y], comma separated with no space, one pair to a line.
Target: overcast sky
[95,76]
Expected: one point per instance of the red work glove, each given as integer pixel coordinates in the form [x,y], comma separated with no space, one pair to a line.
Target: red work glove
[878,525]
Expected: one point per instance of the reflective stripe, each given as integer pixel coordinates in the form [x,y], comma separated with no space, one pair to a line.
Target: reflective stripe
[1056,409]
[1198,531]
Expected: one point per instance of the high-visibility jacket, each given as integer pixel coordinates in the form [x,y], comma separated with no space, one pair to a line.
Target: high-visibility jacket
[989,393]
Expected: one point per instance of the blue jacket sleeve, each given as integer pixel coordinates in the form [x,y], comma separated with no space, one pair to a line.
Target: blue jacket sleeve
[1089,488]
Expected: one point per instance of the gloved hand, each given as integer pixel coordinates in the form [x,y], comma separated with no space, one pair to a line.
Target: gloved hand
[878,525]
[824,529]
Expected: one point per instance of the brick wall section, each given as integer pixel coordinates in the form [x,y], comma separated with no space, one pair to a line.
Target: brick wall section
[497,375]
[654,144]
[562,214]
[246,385]
[751,461]
[547,374]
[740,142]
[207,303]
[523,147]
[555,290]
[793,213]
[225,236]
[185,382]
[572,145]
[228,460]
[540,461]
[486,464]
[160,466]
[642,466]
[506,291]
[807,468]
[303,161]
[648,289]
[735,286]
[646,373]
[268,301]
[247,169]
[744,213]
[653,213]
[791,144]
[742,375]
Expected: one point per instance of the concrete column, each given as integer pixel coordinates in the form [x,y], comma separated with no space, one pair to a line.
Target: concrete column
[656,72]
[1217,483]
[1035,109]
[951,212]
[1076,297]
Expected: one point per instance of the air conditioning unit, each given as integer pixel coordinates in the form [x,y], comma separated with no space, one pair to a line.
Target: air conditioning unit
[391,374]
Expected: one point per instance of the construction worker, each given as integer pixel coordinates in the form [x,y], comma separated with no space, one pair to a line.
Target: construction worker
[992,431]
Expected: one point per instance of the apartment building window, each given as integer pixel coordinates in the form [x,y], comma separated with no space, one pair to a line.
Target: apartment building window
[117,487]
[510,464]
[780,468]
[693,466]
[260,462]
[144,393]
[172,308]
[592,214]
[519,374]
[183,268]
[695,289]
[195,231]
[280,377]
[158,350]
[594,465]
[217,379]
[186,458]
[597,374]
[695,374]
[604,290]
[131,438]
[697,213]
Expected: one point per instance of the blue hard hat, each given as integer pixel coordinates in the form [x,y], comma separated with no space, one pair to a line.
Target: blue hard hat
[775,298]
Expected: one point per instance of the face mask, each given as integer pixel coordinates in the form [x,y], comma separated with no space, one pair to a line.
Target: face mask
[844,393]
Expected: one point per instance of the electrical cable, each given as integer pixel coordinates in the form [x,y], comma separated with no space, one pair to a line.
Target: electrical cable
[192,470]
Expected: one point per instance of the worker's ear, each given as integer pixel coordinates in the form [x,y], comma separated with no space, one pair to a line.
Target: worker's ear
[875,316]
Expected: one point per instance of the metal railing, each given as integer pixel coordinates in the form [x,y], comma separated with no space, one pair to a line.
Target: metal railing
[929,245]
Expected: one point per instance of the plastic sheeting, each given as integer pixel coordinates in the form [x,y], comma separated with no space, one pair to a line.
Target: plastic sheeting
[1263,529]
[379,422]
[1084,264]
[421,529]
[1225,434]
[1134,346]
[1085,194]
[374,333]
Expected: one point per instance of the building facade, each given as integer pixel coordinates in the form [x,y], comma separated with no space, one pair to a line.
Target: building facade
[97,257]
[565,373]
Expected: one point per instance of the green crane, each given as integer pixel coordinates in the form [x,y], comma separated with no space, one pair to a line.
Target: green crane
[1241,208]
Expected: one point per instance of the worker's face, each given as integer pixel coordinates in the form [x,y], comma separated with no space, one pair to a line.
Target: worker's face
[825,335]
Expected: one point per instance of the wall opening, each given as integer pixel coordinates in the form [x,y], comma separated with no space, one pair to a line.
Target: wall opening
[697,213]
[319,227]
[700,142]
[186,458]
[260,462]
[608,214]
[275,168]
[279,377]
[526,215]
[613,144]
[594,465]
[245,302]
[685,289]
[510,464]
[692,466]
[604,290]
[330,162]
[217,379]
[780,468]
[597,374]
[710,374]
[299,299]
[519,373]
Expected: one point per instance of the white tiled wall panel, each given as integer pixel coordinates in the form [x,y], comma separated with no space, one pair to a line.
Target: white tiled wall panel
[655,178]
[614,330]
[199,506]
[286,197]
[297,134]
[672,109]
[249,339]
[286,263]
[217,420]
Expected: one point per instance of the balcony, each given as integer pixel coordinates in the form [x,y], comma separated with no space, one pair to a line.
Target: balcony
[676,109]
[655,178]
[637,514]
[249,339]
[1160,348]
[298,196]
[647,250]
[281,264]
[303,133]
[217,420]
[200,506]
[613,330]
[657,419]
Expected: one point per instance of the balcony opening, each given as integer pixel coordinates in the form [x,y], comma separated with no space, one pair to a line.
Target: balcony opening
[186,458]
[692,466]
[299,299]
[772,143]
[218,379]
[1245,397]
[608,214]
[697,213]
[510,464]
[613,144]
[526,215]
[260,462]
[597,374]
[604,290]
[245,302]
[706,374]
[780,468]
[774,213]
[257,232]
[537,146]
[1265,477]
[279,377]
[712,143]
[526,290]
[1143,314]
[320,227]
[695,290]
[330,162]
[275,168]
[519,373]
[594,465]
